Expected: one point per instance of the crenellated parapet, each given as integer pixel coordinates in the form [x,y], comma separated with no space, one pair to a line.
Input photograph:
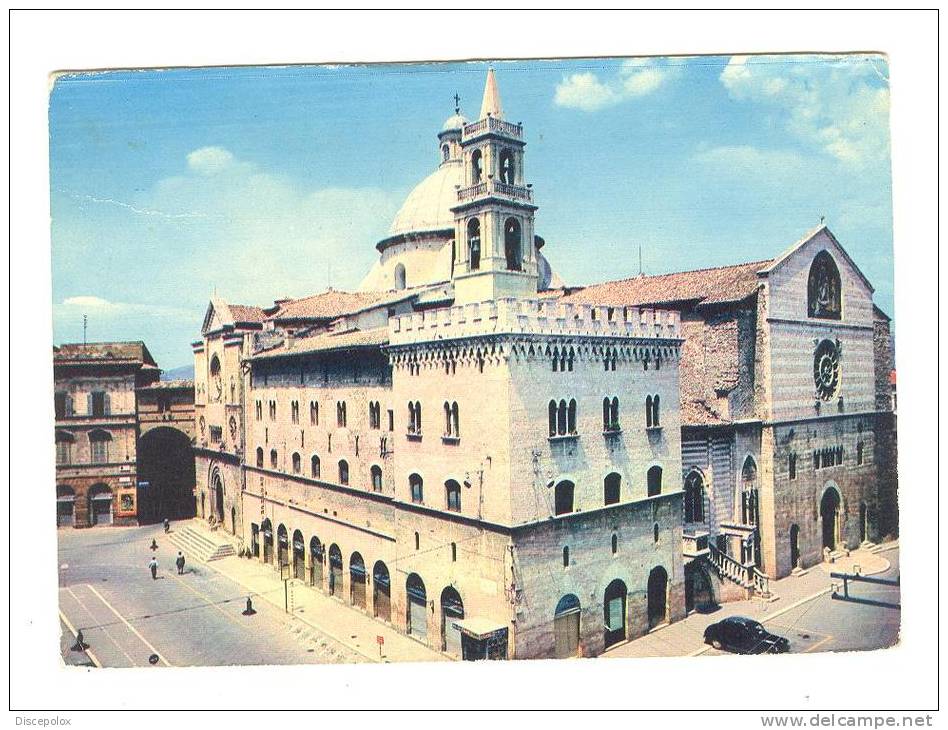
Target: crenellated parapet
[536,317]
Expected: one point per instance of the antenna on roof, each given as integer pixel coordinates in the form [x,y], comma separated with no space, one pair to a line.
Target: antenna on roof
[640,259]
[85,325]
[822,218]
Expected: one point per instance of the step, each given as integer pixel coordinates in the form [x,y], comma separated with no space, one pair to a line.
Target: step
[196,544]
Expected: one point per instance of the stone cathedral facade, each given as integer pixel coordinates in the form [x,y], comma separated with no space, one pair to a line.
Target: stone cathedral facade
[500,466]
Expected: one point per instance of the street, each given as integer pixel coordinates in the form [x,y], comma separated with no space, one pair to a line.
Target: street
[130,620]
[806,614]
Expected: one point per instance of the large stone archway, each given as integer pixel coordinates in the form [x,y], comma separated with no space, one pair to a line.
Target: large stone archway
[166,475]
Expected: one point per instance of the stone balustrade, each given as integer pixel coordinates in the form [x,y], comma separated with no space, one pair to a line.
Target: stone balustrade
[492,124]
[487,188]
[530,316]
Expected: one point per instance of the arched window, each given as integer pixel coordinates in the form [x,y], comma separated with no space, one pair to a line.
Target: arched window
[314,413]
[452,492]
[648,411]
[610,414]
[571,418]
[411,417]
[655,412]
[561,418]
[297,463]
[455,420]
[823,288]
[99,443]
[694,497]
[376,478]
[513,250]
[64,442]
[474,244]
[563,498]
[273,459]
[552,418]
[447,419]
[476,167]
[401,279]
[343,471]
[260,457]
[314,467]
[341,413]
[417,486]
[508,171]
[445,152]
[611,488]
[615,543]
[654,481]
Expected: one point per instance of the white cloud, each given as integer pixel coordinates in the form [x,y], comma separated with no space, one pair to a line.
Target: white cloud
[87,301]
[210,160]
[635,78]
[840,104]
[257,235]
[584,91]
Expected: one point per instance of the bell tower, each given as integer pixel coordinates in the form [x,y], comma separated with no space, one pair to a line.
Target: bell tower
[495,254]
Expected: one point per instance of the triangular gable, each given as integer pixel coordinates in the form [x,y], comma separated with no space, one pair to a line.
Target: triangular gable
[782,258]
[217,317]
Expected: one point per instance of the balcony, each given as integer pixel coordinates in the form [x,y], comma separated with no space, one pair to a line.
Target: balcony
[695,545]
[491,124]
[495,188]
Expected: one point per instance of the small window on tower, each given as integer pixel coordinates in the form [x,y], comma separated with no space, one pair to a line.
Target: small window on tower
[474,244]
[445,152]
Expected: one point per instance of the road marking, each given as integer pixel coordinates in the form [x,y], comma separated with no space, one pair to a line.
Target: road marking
[819,643]
[76,634]
[130,627]
[104,630]
[210,603]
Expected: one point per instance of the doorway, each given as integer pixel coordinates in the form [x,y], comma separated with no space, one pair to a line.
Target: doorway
[381,592]
[829,517]
[657,597]
[452,610]
[613,608]
[794,546]
[566,627]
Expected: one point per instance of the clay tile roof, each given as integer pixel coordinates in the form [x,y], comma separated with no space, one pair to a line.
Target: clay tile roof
[327,342]
[703,286]
[134,352]
[330,304]
[243,313]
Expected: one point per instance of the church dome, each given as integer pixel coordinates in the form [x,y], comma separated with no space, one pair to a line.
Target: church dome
[454,122]
[428,206]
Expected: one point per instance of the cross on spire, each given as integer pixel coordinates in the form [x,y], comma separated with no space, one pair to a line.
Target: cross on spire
[457,103]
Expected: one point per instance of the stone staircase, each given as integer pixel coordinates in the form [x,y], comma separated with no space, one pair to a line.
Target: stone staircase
[747,576]
[198,544]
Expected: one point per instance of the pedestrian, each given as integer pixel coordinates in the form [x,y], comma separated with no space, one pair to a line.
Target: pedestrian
[167,526]
[179,561]
[154,544]
[153,565]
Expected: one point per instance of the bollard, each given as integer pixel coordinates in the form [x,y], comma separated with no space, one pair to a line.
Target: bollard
[80,644]
[249,610]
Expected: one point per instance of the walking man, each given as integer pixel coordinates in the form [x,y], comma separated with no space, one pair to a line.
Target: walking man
[153,565]
[167,526]
[179,561]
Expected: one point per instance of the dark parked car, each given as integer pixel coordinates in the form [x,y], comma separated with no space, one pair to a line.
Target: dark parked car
[744,636]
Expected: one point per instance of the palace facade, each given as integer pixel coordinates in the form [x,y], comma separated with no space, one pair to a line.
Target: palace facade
[503,467]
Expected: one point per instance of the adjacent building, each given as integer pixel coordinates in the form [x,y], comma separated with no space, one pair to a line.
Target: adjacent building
[106,445]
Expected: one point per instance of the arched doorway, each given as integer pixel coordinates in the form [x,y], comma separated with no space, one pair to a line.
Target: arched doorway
[299,556]
[65,506]
[657,597]
[357,581]
[794,546]
[613,606]
[863,522]
[335,570]
[381,592]
[566,627]
[698,592]
[267,529]
[829,517]
[417,607]
[100,505]
[283,546]
[452,610]
[316,563]
[217,492]
[166,465]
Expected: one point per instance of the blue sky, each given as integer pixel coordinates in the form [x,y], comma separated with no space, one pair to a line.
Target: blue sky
[276,181]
